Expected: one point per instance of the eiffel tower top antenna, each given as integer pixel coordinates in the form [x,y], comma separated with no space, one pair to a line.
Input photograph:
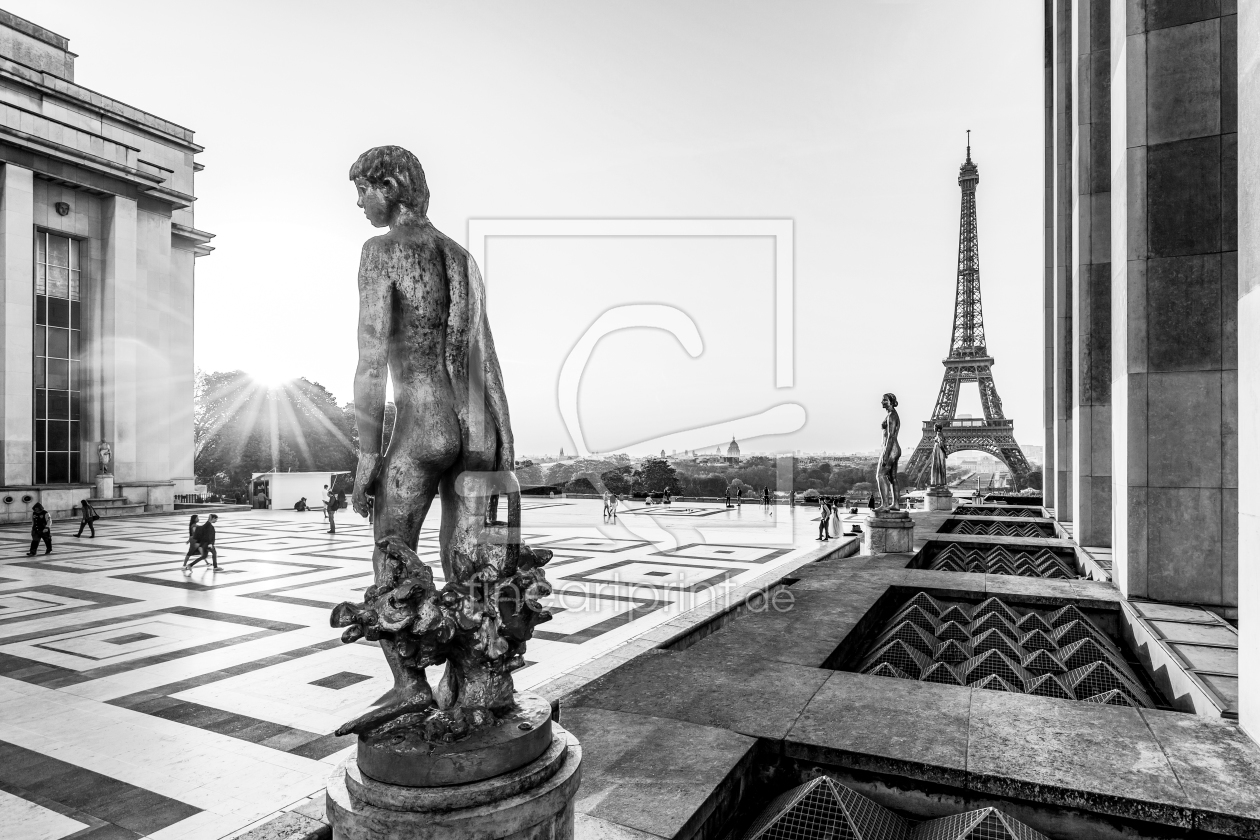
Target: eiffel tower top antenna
[969,144]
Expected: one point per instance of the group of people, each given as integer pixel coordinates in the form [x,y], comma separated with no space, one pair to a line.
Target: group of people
[41,525]
[767,501]
[201,542]
[610,505]
[336,500]
[829,508]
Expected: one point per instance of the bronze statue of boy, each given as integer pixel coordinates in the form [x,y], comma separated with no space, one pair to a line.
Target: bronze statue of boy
[422,322]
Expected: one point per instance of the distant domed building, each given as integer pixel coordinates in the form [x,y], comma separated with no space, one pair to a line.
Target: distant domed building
[732,452]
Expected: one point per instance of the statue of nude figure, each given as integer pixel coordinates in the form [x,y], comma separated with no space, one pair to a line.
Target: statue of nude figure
[422,321]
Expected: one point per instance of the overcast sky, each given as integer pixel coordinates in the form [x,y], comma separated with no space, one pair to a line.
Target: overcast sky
[847,118]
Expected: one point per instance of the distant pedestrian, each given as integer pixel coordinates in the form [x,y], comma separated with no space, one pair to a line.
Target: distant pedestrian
[824,518]
[41,529]
[765,497]
[88,516]
[870,503]
[607,504]
[668,499]
[612,506]
[728,497]
[792,498]
[330,507]
[300,505]
[193,548]
[739,497]
[205,540]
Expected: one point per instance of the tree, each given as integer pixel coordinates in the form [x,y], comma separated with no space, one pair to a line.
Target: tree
[1033,480]
[656,475]
[243,427]
[617,480]
[581,484]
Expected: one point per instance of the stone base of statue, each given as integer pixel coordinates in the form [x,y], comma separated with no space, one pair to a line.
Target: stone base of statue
[532,801]
[889,532]
[939,498]
[104,486]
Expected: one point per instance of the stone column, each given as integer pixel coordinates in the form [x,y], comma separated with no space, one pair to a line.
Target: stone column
[1047,213]
[1174,348]
[1091,274]
[120,361]
[1249,366]
[17,261]
[1064,196]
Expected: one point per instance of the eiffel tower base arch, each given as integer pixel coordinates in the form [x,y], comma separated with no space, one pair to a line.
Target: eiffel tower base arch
[993,437]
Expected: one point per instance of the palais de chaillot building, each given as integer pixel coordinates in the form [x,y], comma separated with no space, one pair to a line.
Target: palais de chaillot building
[97,253]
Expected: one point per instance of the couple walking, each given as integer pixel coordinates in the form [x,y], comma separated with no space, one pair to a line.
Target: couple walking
[828,520]
[201,542]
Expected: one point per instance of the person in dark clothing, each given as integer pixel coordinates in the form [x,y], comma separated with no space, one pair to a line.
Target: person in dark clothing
[89,516]
[824,514]
[193,548]
[300,505]
[330,506]
[205,539]
[871,502]
[41,529]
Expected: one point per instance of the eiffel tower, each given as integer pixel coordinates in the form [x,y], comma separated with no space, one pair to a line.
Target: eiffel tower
[969,359]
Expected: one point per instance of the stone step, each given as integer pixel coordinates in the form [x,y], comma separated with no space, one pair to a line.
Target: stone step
[113,510]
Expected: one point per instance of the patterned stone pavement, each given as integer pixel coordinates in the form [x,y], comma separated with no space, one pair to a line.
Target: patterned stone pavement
[136,701]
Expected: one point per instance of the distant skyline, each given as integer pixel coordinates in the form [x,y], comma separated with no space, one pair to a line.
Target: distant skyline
[848,118]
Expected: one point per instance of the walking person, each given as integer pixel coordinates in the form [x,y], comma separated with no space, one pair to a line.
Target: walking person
[89,516]
[739,497]
[728,497]
[765,497]
[41,529]
[607,504]
[330,508]
[205,539]
[193,548]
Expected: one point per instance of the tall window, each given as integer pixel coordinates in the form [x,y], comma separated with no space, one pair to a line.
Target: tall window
[57,319]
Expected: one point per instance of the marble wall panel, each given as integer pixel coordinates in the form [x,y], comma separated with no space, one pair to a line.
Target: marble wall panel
[1161,14]
[1184,429]
[1184,545]
[1183,82]
[1183,313]
[1183,197]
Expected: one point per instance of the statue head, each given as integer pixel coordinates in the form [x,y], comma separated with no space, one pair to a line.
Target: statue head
[889,401]
[389,179]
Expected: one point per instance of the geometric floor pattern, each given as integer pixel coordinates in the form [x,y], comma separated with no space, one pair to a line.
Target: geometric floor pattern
[1058,653]
[822,808]
[136,701]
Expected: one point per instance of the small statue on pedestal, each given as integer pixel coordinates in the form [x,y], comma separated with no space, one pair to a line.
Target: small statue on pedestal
[886,472]
[940,451]
[104,454]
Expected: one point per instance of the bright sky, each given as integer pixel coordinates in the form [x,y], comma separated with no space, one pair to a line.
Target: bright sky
[847,118]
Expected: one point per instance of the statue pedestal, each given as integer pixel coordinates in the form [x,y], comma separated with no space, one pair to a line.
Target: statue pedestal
[889,532]
[939,498]
[532,801]
[104,486]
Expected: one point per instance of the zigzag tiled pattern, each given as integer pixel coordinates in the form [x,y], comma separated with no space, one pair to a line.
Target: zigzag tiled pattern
[969,510]
[999,529]
[822,807]
[1000,560]
[1059,654]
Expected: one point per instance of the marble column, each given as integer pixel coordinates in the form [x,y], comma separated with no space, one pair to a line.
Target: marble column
[1047,213]
[1174,347]
[17,262]
[1064,195]
[1091,273]
[1248,292]
[119,347]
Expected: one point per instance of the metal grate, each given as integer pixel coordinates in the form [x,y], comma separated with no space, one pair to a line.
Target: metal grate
[1026,530]
[822,809]
[995,646]
[1002,560]
[972,510]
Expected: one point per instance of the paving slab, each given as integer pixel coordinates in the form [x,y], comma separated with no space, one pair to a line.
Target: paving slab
[655,775]
[1096,758]
[884,725]
[741,692]
[1217,765]
[807,634]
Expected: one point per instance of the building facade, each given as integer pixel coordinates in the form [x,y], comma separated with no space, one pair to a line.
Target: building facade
[97,252]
